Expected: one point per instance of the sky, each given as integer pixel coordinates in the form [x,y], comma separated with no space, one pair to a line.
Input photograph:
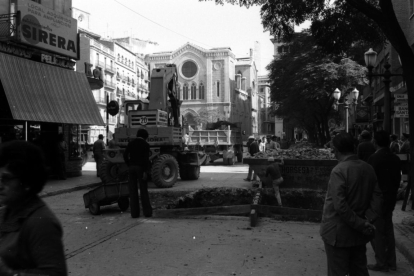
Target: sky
[173,23]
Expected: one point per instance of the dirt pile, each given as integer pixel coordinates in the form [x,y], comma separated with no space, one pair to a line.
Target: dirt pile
[210,197]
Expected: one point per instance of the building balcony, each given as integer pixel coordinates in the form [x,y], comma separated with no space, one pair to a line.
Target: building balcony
[100,64]
[8,23]
[109,68]
[110,84]
[101,101]
[119,92]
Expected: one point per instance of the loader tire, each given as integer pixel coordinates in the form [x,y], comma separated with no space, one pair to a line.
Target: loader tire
[164,171]
[113,172]
[189,172]
[193,172]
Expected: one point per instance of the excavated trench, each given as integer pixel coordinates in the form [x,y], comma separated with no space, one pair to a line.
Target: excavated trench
[300,201]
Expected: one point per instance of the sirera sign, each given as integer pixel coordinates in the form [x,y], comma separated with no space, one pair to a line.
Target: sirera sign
[47,29]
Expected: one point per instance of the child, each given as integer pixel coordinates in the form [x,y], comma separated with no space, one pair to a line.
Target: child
[274,172]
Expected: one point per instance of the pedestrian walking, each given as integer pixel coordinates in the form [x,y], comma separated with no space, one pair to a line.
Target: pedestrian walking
[273,171]
[387,167]
[352,203]
[62,148]
[30,234]
[405,147]
[98,148]
[253,149]
[365,148]
[136,157]
[394,146]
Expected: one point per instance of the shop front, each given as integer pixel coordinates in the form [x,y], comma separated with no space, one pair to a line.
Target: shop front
[39,101]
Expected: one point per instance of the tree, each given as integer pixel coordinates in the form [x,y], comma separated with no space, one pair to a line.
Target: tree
[337,25]
[303,81]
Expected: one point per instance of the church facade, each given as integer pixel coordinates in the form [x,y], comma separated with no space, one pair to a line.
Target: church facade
[213,85]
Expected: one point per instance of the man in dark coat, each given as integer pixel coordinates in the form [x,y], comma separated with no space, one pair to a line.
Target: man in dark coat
[388,170]
[136,156]
[352,202]
[253,149]
[365,148]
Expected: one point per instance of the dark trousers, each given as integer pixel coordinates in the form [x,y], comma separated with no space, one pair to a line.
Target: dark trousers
[343,261]
[61,167]
[384,241]
[136,174]
[98,159]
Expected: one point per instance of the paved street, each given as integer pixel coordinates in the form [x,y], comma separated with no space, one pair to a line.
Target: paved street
[115,244]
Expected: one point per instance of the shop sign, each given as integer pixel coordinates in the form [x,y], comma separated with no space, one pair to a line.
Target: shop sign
[11,49]
[47,29]
[401,111]
[362,114]
[398,86]
[400,97]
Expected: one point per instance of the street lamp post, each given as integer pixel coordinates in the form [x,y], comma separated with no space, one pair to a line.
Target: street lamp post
[354,99]
[370,62]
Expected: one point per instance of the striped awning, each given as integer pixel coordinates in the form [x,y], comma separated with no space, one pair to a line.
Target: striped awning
[44,93]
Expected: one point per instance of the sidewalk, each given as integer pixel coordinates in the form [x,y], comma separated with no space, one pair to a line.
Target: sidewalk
[211,176]
[87,180]
[224,176]
[404,234]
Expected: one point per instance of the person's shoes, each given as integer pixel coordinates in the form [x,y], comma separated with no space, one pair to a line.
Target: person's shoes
[376,267]
[246,179]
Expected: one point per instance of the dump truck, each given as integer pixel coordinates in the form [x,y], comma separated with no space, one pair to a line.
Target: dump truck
[218,139]
[160,116]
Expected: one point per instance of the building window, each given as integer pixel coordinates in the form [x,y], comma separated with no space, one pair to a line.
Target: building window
[218,88]
[193,91]
[189,69]
[185,92]
[119,58]
[201,91]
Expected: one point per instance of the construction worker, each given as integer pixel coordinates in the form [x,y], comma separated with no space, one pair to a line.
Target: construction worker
[136,157]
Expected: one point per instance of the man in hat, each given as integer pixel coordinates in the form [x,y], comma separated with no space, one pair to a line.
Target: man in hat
[365,148]
[253,149]
[405,147]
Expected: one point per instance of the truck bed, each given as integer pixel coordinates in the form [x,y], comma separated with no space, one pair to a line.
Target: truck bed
[214,137]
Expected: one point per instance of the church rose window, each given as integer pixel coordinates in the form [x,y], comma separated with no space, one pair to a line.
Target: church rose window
[189,69]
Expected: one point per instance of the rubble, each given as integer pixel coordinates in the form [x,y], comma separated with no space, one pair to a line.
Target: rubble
[211,197]
[297,153]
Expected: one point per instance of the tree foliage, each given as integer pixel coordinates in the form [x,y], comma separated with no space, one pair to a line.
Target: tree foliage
[304,79]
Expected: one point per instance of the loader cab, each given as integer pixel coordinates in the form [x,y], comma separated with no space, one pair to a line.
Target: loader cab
[135,105]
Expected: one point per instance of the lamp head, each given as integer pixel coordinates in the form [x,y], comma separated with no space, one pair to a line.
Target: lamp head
[370,58]
[337,94]
[355,94]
